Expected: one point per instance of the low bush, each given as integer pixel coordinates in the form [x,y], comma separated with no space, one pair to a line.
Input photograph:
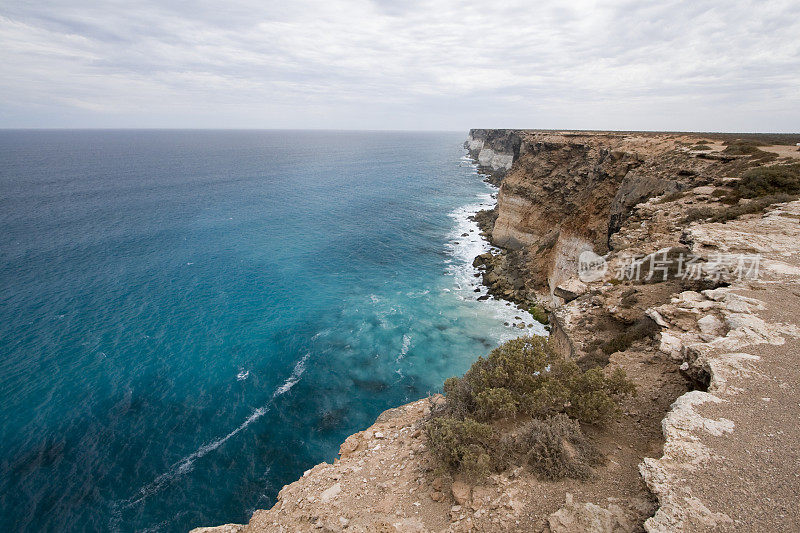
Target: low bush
[749,149]
[768,181]
[539,314]
[595,358]
[629,298]
[671,197]
[557,448]
[595,396]
[523,378]
[724,214]
[763,186]
[700,213]
[464,445]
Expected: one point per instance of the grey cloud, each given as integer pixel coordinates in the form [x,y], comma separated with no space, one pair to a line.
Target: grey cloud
[710,64]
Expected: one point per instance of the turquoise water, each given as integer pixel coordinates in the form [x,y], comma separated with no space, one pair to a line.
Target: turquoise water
[191,319]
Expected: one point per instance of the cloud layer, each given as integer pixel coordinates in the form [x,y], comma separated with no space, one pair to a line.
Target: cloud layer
[381,64]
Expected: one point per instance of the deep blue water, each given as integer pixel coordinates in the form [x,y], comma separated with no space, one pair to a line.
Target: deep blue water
[191,319]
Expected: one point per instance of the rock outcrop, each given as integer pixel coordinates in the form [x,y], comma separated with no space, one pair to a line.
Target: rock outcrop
[569,192]
[494,151]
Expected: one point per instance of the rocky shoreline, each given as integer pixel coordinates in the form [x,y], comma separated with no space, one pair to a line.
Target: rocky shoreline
[688,342]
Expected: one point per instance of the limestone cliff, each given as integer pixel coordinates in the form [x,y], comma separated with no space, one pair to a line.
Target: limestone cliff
[494,151]
[570,191]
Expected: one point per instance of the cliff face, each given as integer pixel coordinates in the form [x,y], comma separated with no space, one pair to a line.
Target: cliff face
[558,188]
[569,192]
[494,150]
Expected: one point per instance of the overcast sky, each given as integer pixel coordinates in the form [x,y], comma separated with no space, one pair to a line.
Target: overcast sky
[715,65]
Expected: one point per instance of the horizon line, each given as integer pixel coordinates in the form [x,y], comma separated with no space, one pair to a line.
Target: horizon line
[389,130]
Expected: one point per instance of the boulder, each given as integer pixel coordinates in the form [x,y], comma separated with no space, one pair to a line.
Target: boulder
[461,492]
[588,517]
[671,345]
[330,493]
[482,260]
[226,528]
[570,289]
[711,325]
[350,445]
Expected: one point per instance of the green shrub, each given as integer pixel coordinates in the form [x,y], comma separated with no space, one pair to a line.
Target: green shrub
[556,448]
[749,149]
[641,329]
[594,395]
[525,376]
[629,298]
[700,213]
[724,214]
[700,147]
[539,314]
[764,185]
[462,445]
[671,197]
[498,402]
[767,181]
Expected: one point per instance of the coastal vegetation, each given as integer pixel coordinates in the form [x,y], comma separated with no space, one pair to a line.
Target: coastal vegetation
[539,314]
[524,404]
[641,329]
[757,189]
[769,180]
[748,148]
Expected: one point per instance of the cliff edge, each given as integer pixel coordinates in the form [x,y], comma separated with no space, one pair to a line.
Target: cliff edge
[651,256]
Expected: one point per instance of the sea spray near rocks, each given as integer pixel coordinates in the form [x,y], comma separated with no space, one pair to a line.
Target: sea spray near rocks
[465,243]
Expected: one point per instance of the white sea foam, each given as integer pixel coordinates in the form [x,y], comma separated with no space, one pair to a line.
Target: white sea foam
[185,465]
[463,249]
[323,333]
[403,351]
[404,348]
[242,375]
[292,380]
[418,294]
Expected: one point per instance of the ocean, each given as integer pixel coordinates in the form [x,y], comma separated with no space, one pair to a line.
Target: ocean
[189,320]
